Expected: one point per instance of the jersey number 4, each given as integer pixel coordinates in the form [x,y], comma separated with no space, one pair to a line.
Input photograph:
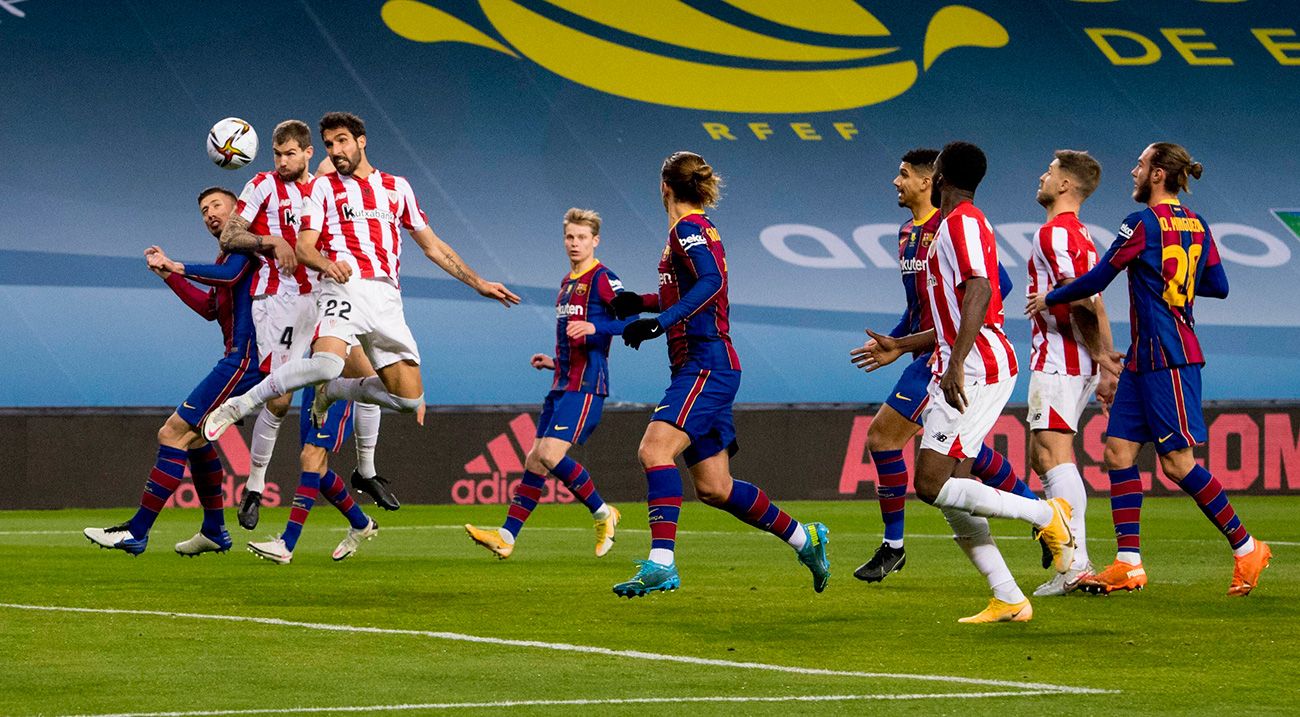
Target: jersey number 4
[1180,282]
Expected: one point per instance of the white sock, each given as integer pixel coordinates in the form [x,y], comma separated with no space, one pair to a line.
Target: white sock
[663,556]
[265,432]
[799,537]
[895,544]
[602,512]
[366,418]
[293,375]
[1128,557]
[985,501]
[1245,548]
[1065,482]
[367,390]
[506,536]
[972,534]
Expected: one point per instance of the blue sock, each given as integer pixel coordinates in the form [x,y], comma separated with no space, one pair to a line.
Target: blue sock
[165,477]
[522,503]
[332,487]
[993,469]
[664,497]
[891,491]
[578,481]
[205,466]
[303,499]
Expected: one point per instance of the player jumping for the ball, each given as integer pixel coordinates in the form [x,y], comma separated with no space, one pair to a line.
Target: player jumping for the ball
[355,216]
[585,323]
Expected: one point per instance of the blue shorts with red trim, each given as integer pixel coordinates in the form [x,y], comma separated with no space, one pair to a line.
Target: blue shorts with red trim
[698,401]
[232,376]
[912,390]
[336,430]
[570,415]
[1161,407]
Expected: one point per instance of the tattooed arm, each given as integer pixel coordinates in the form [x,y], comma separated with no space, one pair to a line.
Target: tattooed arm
[445,257]
[237,237]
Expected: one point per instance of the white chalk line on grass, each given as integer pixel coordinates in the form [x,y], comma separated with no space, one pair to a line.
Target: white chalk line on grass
[577,703]
[636,531]
[1037,687]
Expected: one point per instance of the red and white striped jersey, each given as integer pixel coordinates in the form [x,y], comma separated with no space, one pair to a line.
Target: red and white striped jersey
[273,207]
[1062,250]
[360,220]
[964,249]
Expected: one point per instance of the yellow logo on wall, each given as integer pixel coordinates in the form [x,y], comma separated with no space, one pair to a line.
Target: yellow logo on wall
[636,74]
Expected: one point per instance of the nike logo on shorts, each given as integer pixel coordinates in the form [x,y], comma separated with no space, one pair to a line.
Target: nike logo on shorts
[1162,440]
[322,436]
[660,409]
[901,397]
[561,428]
[187,405]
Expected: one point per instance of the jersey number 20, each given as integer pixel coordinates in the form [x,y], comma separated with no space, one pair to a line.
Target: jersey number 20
[1180,285]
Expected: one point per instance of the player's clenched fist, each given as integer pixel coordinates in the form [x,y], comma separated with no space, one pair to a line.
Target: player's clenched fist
[542,362]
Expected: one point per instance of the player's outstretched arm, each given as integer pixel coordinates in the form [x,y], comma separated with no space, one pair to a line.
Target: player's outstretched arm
[201,302]
[881,350]
[440,253]
[237,237]
[226,274]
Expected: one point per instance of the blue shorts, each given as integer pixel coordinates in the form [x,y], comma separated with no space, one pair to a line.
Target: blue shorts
[337,428]
[569,416]
[232,376]
[1160,407]
[698,401]
[912,391]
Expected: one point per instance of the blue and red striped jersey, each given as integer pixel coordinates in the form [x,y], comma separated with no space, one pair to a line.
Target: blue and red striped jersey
[1165,249]
[582,364]
[913,247]
[228,302]
[692,297]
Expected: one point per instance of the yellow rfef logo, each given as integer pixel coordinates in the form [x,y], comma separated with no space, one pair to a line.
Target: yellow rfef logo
[827,78]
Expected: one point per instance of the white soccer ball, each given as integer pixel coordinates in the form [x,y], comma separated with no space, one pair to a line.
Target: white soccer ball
[232,143]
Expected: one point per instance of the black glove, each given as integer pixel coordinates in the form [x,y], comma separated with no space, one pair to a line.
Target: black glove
[641,330]
[625,304]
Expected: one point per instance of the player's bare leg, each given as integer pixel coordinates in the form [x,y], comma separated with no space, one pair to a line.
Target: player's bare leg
[889,432]
[398,386]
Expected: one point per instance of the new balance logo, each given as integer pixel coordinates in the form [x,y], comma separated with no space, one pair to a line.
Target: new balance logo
[492,476]
[940,437]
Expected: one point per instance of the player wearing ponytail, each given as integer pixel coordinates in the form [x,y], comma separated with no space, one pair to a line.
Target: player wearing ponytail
[1171,259]
[694,417]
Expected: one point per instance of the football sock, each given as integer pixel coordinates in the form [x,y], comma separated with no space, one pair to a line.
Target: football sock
[664,499]
[973,536]
[750,504]
[978,499]
[332,487]
[303,499]
[993,469]
[1126,513]
[163,481]
[1208,493]
[205,466]
[575,477]
[293,375]
[523,501]
[1064,481]
[370,390]
[265,431]
[365,423]
[891,491]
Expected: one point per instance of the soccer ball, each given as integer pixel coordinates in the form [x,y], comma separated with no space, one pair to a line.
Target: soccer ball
[232,143]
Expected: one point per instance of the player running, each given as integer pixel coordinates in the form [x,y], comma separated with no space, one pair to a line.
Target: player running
[227,303]
[1171,258]
[1071,351]
[585,324]
[974,373]
[354,216]
[899,417]
[695,415]
[266,220]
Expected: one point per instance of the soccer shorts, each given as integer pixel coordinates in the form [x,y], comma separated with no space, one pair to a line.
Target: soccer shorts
[960,435]
[232,376]
[1161,407]
[1056,401]
[698,401]
[337,428]
[912,391]
[570,416]
[367,312]
[285,323]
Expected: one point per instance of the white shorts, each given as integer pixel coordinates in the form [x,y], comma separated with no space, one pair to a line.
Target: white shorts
[1056,401]
[960,435]
[285,324]
[367,312]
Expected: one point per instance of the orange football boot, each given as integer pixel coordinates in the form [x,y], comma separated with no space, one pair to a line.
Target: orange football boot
[1245,576]
[1117,576]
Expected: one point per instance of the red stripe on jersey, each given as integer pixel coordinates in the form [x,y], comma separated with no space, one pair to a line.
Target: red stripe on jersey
[985,350]
[377,231]
[349,230]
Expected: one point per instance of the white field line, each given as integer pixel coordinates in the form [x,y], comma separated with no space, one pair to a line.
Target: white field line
[636,531]
[578,702]
[566,647]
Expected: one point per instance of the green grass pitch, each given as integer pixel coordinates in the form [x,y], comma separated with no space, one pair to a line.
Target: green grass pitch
[1179,647]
